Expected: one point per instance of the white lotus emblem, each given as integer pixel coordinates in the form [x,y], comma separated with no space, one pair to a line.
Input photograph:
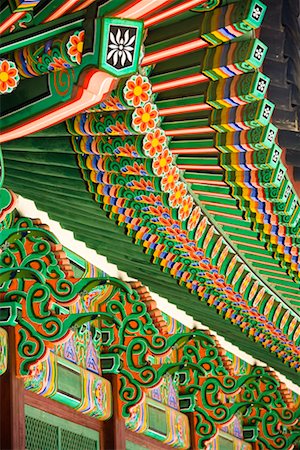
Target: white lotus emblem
[121,49]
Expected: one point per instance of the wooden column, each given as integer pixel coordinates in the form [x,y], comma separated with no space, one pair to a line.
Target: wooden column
[12,417]
[114,428]
[192,422]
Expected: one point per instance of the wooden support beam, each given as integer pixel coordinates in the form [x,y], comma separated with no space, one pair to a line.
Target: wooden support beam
[114,428]
[12,418]
[192,421]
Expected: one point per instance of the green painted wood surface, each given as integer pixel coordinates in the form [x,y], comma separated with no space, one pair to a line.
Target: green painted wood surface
[44,168]
[57,188]
[132,446]
[68,382]
[48,432]
[157,420]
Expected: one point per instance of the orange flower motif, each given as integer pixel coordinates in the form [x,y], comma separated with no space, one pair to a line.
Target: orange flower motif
[153,142]
[9,76]
[135,169]
[137,91]
[75,46]
[126,150]
[142,184]
[200,229]
[158,211]
[185,208]
[194,218]
[109,104]
[151,199]
[170,179]
[161,163]
[118,128]
[58,64]
[145,118]
[177,195]
[178,234]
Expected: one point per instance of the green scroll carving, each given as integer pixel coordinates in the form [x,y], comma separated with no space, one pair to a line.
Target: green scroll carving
[35,293]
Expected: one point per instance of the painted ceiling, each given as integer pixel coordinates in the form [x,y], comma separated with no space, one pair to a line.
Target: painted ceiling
[182,155]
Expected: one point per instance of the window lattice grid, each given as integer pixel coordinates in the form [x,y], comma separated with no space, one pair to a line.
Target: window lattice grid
[40,435]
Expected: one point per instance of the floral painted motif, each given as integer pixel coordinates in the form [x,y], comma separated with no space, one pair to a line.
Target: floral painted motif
[111,103]
[160,212]
[135,169]
[9,76]
[137,91]
[100,394]
[180,429]
[142,184]
[117,129]
[150,199]
[232,264]
[269,306]
[161,163]
[120,47]
[258,298]
[245,283]
[238,275]
[145,118]
[177,195]
[253,290]
[126,150]
[154,142]
[284,320]
[58,64]
[276,314]
[200,229]
[3,350]
[178,234]
[194,218]
[37,375]
[185,208]
[75,46]
[170,179]
[292,326]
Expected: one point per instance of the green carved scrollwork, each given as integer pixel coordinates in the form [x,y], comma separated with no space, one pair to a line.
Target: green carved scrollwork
[35,293]
[136,350]
[31,247]
[61,53]
[277,429]
[256,396]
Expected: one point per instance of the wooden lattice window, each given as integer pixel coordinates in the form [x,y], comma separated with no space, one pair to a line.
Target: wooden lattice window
[45,431]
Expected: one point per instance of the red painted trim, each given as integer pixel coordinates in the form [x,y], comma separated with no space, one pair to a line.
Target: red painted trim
[11,20]
[206,202]
[172,12]
[213,194]
[95,86]
[184,109]
[200,167]
[61,10]
[83,5]
[205,182]
[195,151]
[140,8]
[179,82]
[199,130]
[171,52]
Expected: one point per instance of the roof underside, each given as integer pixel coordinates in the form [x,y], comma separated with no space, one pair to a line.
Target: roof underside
[45,168]
[53,181]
